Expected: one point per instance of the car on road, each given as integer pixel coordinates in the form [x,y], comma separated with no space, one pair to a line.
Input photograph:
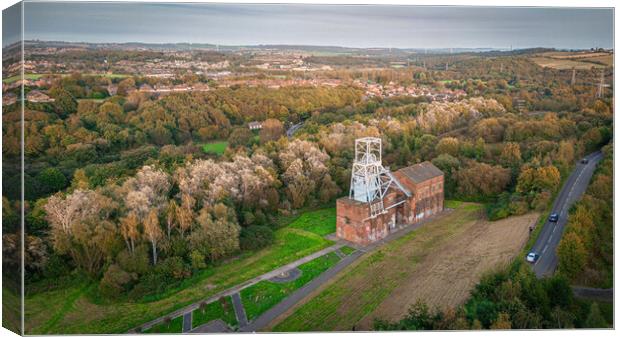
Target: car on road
[554,217]
[584,161]
[532,257]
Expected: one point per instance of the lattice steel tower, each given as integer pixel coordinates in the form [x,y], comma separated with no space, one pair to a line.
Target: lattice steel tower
[370,181]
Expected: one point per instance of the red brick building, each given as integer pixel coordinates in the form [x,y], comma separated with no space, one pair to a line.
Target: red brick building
[415,193]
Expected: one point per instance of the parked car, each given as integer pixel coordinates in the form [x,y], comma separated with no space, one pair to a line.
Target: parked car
[554,217]
[532,257]
[584,161]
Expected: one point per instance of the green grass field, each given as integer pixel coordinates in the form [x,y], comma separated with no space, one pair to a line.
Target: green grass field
[321,222]
[346,250]
[264,295]
[174,326]
[26,76]
[69,310]
[217,148]
[215,310]
[38,76]
[452,203]
[358,290]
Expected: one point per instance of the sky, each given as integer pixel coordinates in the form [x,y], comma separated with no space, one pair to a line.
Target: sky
[325,25]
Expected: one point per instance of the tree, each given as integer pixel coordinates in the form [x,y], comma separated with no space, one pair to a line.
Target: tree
[537,179]
[595,318]
[125,86]
[80,226]
[152,231]
[64,103]
[240,137]
[481,180]
[448,145]
[272,130]
[217,234]
[51,180]
[129,230]
[171,213]
[572,255]
[511,155]
[502,322]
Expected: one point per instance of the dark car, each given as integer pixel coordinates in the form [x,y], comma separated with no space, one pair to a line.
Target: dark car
[554,217]
[584,161]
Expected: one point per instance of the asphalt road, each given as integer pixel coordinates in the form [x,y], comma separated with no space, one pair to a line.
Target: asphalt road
[291,131]
[550,236]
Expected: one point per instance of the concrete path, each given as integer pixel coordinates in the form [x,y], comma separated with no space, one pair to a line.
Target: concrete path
[187,322]
[288,276]
[212,327]
[340,254]
[239,287]
[239,310]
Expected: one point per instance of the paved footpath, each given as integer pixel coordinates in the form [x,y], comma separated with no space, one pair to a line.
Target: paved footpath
[239,287]
[187,322]
[239,310]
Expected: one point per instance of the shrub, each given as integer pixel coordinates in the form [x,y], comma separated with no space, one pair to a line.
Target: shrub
[138,262]
[255,237]
[115,281]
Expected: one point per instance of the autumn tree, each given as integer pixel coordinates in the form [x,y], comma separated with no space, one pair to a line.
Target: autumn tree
[130,231]
[217,234]
[448,145]
[152,231]
[272,130]
[481,180]
[572,255]
[537,179]
[81,227]
[511,154]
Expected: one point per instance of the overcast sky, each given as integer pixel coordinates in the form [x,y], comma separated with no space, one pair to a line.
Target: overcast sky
[333,25]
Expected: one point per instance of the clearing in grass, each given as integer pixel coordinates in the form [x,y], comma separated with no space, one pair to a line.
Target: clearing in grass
[217,148]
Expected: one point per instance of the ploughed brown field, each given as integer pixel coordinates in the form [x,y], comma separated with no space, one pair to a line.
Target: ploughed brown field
[439,263]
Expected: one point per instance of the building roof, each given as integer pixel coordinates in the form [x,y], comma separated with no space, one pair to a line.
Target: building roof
[421,172]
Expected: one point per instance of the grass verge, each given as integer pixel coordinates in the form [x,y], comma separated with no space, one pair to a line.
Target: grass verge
[215,310]
[174,326]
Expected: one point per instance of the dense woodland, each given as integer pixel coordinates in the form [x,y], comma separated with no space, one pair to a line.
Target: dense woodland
[118,191]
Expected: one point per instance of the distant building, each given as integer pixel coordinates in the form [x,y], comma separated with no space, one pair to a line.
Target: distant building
[381,202]
[9,98]
[255,125]
[37,96]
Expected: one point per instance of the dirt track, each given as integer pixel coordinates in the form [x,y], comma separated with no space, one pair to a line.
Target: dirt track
[447,274]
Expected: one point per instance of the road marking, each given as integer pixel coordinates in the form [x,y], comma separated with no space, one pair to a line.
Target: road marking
[545,249]
[554,227]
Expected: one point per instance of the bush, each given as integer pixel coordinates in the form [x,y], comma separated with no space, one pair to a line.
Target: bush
[165,275]
[138,262]
[255,237]
[198,260]
[115,281]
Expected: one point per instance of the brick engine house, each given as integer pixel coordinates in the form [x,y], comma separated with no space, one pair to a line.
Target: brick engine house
[381,201]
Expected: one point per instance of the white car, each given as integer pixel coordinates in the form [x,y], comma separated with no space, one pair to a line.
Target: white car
[531,257]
